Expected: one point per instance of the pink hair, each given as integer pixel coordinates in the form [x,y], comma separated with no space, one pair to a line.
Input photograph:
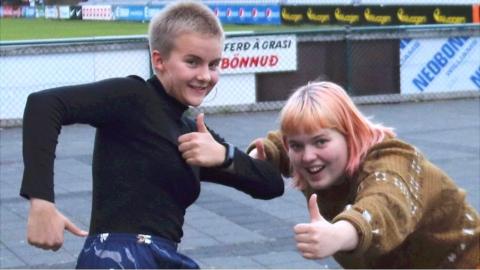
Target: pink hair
[320,105]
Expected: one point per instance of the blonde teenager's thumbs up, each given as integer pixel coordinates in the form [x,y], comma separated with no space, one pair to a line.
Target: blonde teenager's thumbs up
[200,148]
[201,127]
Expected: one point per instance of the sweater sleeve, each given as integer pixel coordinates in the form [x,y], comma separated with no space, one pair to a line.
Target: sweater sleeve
[47,111]
[275,151]
[388,203]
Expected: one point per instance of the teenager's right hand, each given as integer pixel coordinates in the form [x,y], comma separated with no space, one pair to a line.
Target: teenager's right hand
[46,225]
[320,238]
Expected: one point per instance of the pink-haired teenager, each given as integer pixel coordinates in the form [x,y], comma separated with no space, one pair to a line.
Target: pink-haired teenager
[374,200]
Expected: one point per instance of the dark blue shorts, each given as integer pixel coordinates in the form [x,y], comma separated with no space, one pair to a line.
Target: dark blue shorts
[131,251]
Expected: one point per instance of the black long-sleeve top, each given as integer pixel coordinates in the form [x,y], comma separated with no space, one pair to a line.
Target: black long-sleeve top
[141,183]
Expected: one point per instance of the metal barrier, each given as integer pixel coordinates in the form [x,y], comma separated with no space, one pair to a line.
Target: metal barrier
[365,60]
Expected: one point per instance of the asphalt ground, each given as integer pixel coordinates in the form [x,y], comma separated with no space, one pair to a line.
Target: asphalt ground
[226,228]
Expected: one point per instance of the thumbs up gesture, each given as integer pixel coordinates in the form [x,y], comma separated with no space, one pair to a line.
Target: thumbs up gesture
[319,238]
[200,148]
[259,151]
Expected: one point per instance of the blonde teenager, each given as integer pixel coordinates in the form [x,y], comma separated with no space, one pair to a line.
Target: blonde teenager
[374,200]
[148,158]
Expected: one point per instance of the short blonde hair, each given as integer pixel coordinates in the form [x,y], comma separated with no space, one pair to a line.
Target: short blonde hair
[179,18]
[326,105]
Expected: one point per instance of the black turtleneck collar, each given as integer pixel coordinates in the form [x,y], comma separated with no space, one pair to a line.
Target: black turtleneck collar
[175,107]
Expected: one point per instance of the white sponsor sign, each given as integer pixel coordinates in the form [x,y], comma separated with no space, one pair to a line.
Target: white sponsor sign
[97,12]
[440,65]
[51,12]
[65,12]
[257,54]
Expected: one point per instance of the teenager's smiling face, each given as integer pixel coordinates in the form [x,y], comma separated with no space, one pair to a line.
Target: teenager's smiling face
[190,72]
[320,158]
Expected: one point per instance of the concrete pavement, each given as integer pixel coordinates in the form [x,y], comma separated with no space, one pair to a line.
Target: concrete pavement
[226,228]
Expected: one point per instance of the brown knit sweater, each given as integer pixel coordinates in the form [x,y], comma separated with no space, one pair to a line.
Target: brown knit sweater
[408,213]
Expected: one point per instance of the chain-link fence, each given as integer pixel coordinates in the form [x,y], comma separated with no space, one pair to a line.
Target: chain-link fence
[374,64]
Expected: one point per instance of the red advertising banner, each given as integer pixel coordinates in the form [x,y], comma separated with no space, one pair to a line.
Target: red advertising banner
[11,11]
[476,13]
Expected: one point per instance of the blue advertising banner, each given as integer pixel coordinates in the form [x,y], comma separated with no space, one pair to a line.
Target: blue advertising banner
[439,65]
[28,12]
[129,13]
[247,14]
[150,11]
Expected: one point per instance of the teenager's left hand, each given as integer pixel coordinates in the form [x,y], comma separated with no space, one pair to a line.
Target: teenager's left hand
[200,148]
[319,238]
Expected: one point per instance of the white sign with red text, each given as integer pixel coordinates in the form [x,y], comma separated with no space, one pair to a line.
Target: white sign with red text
[256,54]
[97,12]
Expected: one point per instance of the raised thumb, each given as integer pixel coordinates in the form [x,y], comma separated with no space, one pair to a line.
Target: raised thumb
[260,149]
[201,127]
[69,226]
[313,209]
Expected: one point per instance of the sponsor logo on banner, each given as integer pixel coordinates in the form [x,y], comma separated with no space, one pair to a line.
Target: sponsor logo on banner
[346,15]
[270,14]
[373,16]
[318,16]
[76,12]
[65,13]
[376,14]
[434,14]
[247,14]
[129,13]
[475,78]
[150,11]
[28,12]
[439,65]
[51,12]
[292,15]
[11,11]
[259,54]
[407,18]
[97,12]
[440,17]
[39,12]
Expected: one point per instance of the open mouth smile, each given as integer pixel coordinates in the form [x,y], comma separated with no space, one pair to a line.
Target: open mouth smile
[315,169]
[199,88]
